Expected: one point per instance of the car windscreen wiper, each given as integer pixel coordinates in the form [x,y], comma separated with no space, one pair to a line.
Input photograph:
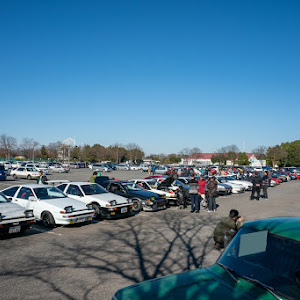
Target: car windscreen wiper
[266,287]
[229,271]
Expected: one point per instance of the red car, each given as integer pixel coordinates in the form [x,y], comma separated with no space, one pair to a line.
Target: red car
[278,181]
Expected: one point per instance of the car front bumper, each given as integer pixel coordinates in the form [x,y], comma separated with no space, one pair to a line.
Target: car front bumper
[157,205]
[117,212]
[9,227]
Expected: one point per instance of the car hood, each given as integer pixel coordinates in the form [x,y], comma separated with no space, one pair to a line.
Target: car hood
[61,203]
[11,210]
[227,186]
[106,197]
[167,182]
[142,194]
[199,284]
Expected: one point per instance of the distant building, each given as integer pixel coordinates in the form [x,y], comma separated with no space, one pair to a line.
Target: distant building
[204,159]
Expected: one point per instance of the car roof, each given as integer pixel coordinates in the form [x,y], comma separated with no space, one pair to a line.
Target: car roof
[287,227]
[30,185]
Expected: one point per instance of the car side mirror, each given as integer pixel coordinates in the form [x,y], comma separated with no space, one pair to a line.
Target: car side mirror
[32,199]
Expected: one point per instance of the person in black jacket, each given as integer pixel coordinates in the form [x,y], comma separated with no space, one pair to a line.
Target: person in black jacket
[256,180]
[182,201]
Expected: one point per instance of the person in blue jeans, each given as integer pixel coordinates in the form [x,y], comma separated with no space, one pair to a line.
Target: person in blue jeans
[193,193]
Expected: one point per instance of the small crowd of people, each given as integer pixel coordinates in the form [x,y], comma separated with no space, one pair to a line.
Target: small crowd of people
[202,193]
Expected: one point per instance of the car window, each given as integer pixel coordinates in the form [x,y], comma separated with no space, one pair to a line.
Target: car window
[93,189]
[48,193]
[114,187]
[2,198]
[62,187]
[20,169]
[10,192]
[74,190]
[25,193]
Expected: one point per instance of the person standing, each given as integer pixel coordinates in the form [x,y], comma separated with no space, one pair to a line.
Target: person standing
[193,192]
[153,170]
[149,170]
[201,189]
[42,179]
[265,184]
[212,191]
[226,229]
[181,198]
[270,176]
[256,181]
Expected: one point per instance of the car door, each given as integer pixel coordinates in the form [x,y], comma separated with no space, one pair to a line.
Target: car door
[23,196]
[19,172]
[75,192]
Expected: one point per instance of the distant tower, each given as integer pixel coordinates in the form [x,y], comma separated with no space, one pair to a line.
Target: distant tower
[244,146]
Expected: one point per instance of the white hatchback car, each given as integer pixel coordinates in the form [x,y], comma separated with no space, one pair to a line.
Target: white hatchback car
[24,172]
[13,218]
[151,185]
[106,205]
[49,204]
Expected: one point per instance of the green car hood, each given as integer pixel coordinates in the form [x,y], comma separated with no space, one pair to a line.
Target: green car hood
[200,284]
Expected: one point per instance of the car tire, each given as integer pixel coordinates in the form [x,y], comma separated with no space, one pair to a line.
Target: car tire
[14,176]
[136,205]
[48,220]
[98,211]
[29,177]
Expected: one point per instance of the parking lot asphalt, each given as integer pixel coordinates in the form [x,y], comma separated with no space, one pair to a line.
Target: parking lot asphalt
[93,261]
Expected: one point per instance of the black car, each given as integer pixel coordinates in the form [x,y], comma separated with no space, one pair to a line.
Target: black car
[141,199]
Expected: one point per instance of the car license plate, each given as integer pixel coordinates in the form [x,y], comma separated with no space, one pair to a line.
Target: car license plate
[14,229]
[81,220]
[123,210]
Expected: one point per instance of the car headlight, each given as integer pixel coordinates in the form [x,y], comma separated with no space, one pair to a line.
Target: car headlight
[28,213]
[68,209]
[113,202]
[164,196]
[129,201]
[152,198]
[89,206]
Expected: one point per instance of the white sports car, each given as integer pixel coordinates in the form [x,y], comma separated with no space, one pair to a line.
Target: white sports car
[105,204]
[151,185]
[236,188]
[49,204]
[13,218]
[247,184]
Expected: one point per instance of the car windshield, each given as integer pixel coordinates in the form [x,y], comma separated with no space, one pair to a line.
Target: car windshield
[230,178]
[268,258]
[2,198]
[132,187]
[93,189]
[47,193]
[152,183]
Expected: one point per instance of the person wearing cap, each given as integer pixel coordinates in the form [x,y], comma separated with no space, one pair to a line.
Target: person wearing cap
[226,229]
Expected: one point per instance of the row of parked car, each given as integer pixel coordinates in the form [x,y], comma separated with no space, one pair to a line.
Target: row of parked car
[62,202]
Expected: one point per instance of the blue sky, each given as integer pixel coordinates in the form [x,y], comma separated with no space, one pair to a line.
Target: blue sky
[162,74]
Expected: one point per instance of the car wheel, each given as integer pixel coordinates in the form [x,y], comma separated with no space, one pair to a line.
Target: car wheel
[98,212]
[136,205]
[48,220]
[14,176]
[29,177]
